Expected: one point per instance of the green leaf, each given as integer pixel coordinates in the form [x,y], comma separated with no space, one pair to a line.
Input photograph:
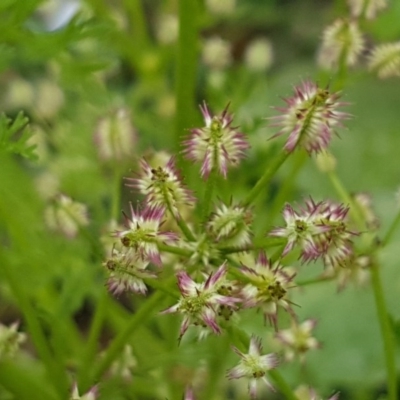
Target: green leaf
[14,136]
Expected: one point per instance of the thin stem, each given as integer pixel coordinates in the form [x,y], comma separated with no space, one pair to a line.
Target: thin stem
[266,178]
[257,245]
[116,194]
[92,342]
[386,332]
[54,371]
[216,365]
[208,194]
[308,282]
[391,230]
[180,221]
[287,184]
[174,250]
[282,384]
[343,193]
[144,313]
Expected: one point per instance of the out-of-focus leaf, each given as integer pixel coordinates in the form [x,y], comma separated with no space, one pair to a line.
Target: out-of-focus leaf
[14,136]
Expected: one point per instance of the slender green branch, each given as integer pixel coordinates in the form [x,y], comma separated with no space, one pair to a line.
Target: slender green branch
[208,193]
[92,343]
[391,230]
[23,384]
[116,194]
[287,185]
[174,250]
[387,334]
[179,221]
[258,245]
[308,282]
[144,313]
[282,384]
[266,178]
[344,195]
[55,371]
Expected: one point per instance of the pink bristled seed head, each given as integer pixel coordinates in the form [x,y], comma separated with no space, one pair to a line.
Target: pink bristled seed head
[143,233]
[217,145]
[162,186]
[309,118]
[200,302]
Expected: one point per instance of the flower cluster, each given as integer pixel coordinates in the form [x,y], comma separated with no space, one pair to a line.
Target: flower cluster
[221,272]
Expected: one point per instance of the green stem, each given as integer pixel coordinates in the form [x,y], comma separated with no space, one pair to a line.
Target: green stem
[208,193]
[266,178]
[391,230]
[346,198]
[283,386]
[55,371]
[258,244]
[186,67]
[180,221]
[386,332]
[313,281]
[216,365]
[116,194]
[138,319]
[174,250]
[287,184]
[92,343]
[24,383]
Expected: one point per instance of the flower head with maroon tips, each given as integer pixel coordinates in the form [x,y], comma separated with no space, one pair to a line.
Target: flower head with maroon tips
[297,340]
[268,287]
[200,303]
[126,271]
[254,366]
[90,395]
[309,118]
[189,395]
[162,186]
[217,145]
[320,230]
[306,393]
[143,233]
